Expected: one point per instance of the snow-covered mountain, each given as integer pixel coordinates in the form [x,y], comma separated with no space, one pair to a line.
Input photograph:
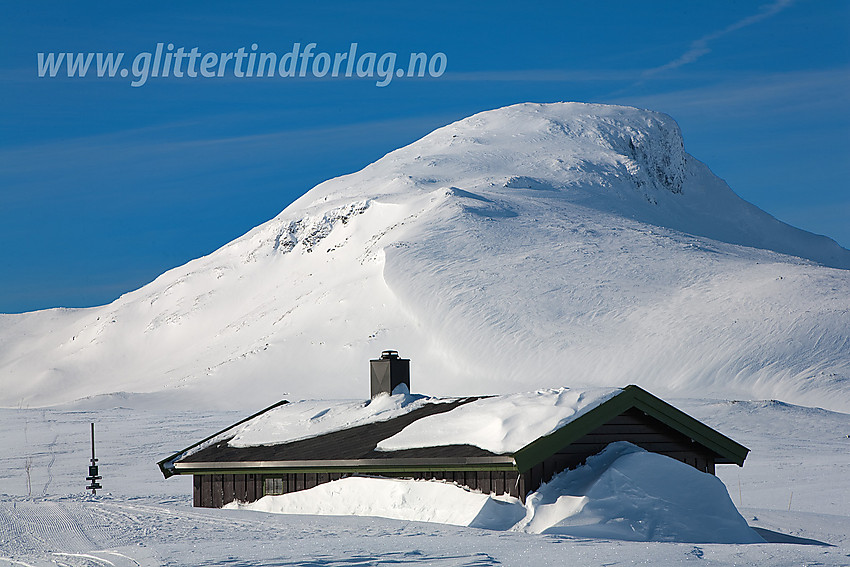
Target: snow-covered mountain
[524,247]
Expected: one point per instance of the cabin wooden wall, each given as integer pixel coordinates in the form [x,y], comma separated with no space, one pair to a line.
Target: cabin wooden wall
[632,426]
[497,482]
[216,490]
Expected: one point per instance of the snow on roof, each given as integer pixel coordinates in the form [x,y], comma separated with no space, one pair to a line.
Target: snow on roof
[311,418]
[500,424]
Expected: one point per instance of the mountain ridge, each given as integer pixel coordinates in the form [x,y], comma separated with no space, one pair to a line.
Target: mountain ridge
[529,246]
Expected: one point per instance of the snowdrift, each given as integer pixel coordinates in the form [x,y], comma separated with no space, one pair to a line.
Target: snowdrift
[628,493]
[525,247]
[411,500]
[623,493]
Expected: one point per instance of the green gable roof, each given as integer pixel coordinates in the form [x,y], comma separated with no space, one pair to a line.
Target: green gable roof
[631,397]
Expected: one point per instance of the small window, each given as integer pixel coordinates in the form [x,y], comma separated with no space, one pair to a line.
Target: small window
[272,486]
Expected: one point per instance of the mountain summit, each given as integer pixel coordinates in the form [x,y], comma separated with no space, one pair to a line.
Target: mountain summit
[529,246]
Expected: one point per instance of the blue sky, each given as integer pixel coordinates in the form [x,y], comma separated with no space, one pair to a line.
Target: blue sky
[104,186]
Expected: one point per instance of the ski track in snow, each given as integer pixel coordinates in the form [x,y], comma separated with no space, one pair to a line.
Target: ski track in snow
[144,520]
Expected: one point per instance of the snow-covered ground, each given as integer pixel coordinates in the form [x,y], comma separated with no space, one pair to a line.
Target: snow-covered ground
[142,519]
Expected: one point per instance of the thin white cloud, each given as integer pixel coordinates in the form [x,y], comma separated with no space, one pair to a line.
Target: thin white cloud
[701,46]
[167,151]
[540,75]
[771,93]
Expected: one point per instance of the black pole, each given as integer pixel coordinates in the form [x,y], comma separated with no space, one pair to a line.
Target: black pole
[93,476]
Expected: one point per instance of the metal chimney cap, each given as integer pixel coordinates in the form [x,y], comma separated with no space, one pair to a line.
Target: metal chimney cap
[389,354]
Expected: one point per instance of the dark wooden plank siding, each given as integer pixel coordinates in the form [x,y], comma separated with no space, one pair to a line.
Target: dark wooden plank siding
[251,488]
[518,487]
[208,490]
[633,426]
[497,482]
[217,493]
[536,477]
[240,492]
[227,488]
[549,469]
[483,479]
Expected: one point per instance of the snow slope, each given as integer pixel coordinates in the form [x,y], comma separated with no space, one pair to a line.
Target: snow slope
[525,247]
[140,519]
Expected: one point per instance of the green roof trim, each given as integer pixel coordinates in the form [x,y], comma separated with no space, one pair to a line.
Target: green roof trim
[377,468]
[631,397]
[544,447]
[725,447]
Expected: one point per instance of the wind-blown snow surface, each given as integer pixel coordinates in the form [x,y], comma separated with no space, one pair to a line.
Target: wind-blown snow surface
[623,493]
[310,418]
[502,424]
[530,246]
[396,499]
[499,424]
[140,519]
[628,493]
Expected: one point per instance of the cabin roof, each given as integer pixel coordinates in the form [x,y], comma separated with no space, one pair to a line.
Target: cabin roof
[727,450]
[356,447]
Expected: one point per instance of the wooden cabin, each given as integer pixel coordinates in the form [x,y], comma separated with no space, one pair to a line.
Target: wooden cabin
[223,473]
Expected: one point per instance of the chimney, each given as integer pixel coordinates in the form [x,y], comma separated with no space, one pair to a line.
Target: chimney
[388,372]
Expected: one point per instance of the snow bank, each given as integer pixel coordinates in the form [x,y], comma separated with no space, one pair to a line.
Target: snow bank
[501,424]
[414,500]
[623,493]
[628,493]
[310,418]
